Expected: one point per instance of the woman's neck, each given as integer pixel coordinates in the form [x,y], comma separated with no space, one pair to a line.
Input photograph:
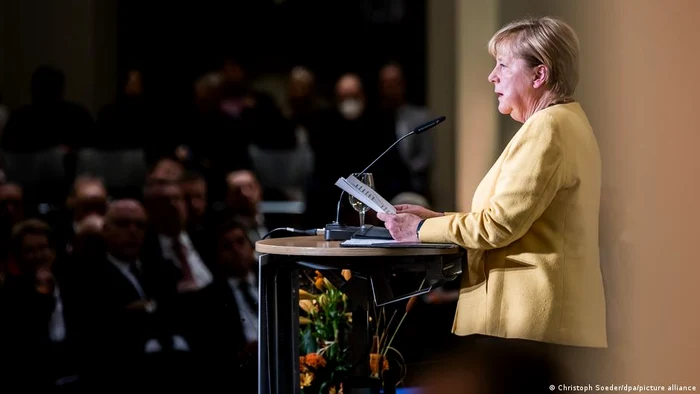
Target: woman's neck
[546,100]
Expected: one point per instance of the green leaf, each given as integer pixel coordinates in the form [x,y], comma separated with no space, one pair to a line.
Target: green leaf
[308,342]
[322,389]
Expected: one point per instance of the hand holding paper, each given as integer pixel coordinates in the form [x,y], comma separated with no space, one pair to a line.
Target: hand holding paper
[402,226]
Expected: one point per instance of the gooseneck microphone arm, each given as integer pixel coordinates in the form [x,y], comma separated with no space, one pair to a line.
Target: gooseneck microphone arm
[418,130]
[340,200]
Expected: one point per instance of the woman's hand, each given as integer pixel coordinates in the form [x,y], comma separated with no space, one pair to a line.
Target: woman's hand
[423,213]
[401,226]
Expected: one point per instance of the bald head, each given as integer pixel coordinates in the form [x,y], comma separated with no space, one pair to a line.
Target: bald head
[349,86]
[301,81]
[124,229]
[350,96]
[166,170]
[89,197]
[121,208]
[300,91]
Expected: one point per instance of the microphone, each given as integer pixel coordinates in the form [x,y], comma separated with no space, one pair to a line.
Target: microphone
[339,232]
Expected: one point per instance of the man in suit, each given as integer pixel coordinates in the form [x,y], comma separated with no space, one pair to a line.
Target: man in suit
[168,241]
[124,318]
[243,198]
[182,279]
[234,314]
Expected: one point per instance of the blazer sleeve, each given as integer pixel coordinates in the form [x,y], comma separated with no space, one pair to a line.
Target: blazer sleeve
[532,172]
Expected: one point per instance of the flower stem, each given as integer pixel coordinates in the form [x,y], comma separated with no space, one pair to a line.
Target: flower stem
[386,349]
[386,331]
[393,335]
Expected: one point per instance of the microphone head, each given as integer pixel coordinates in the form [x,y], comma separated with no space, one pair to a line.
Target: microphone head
[429,125]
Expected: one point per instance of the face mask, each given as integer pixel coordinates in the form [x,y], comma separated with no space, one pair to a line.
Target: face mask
[351,108]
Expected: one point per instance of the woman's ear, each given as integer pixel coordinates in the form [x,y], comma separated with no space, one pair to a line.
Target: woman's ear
[541,76]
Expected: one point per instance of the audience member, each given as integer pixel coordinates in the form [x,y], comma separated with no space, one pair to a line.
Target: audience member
[243,200]
[12,211]
[88,196]
[234,324]
[41,325]
[49,121]
[416,151]
[153,292]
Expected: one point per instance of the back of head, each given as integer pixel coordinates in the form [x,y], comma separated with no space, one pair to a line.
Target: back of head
[165,170]
[546,40]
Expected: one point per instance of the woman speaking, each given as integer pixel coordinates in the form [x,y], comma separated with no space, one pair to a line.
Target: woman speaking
[533,274]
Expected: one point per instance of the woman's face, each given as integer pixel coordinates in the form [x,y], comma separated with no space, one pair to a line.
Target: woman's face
[513,82]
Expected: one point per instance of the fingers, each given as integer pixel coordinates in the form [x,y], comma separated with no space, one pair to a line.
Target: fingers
[382,216]
[402,207]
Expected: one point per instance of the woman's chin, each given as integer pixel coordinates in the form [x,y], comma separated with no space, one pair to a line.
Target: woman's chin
[504,110]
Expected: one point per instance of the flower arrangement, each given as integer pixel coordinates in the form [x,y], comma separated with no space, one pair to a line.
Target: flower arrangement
[384,358]
[324,362]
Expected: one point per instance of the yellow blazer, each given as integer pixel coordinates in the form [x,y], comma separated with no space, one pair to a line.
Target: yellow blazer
[533,269]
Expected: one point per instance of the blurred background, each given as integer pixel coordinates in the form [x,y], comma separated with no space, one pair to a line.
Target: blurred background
[250,110]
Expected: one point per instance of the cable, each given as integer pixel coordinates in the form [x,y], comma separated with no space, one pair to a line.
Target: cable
[313,231]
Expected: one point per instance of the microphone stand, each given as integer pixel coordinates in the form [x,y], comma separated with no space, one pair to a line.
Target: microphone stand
[339,232]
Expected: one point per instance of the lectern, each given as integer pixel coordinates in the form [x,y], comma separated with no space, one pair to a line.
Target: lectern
[280,260]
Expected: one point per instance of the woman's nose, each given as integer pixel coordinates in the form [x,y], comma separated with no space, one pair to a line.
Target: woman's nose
[492,76]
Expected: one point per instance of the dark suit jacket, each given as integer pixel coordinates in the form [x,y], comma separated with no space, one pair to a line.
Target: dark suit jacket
[30,358]
[119,330]
[231,360]
[182,311]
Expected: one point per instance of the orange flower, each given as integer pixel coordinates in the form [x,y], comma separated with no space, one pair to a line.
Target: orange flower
[315,360]
[318,280]
[306,305]
[374,359]
[410,303]
[306,379]
[305,295]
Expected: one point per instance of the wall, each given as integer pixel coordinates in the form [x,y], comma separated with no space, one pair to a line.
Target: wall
[639,84]
[441,68]
[78,36]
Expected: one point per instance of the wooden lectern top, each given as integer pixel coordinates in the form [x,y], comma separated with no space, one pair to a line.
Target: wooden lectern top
[318,246]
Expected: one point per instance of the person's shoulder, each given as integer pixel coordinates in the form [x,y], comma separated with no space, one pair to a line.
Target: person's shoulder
[557,113]
[549,118]
[544,126]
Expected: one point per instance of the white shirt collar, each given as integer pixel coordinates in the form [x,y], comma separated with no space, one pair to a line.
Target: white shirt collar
[121,264]
[166,242]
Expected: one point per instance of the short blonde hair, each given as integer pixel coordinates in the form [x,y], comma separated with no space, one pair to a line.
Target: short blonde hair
[547,41]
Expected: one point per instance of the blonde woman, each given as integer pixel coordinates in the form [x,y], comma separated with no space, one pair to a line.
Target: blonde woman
[533,273]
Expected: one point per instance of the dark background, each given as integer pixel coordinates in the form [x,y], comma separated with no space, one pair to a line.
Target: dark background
[176,42]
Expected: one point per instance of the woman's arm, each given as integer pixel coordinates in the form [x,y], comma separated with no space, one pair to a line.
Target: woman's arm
[531,174]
